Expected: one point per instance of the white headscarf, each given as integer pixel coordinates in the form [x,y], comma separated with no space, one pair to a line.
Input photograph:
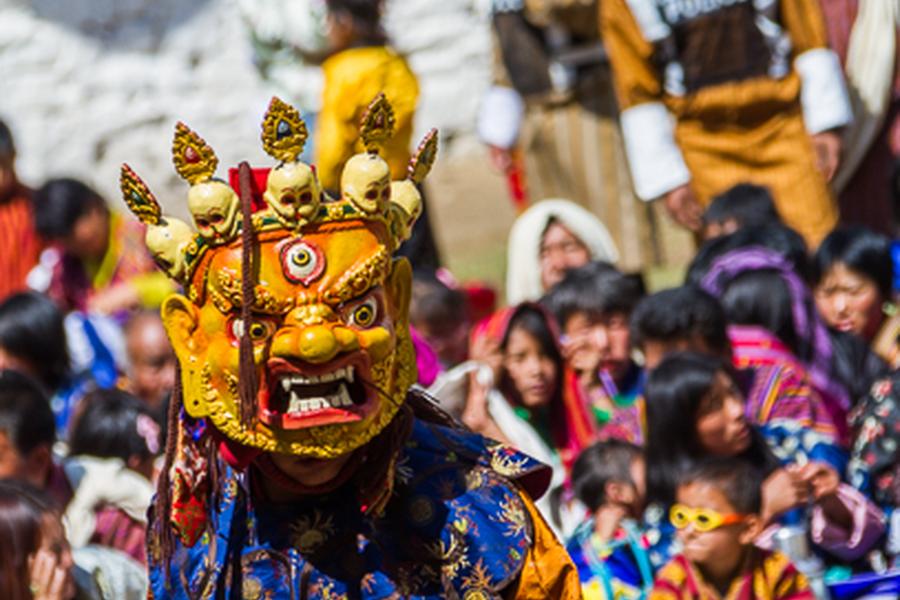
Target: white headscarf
[523,271]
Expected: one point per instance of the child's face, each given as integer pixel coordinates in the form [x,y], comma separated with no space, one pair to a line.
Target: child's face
[721,549]
[532,372]
[722,428]
[594,343]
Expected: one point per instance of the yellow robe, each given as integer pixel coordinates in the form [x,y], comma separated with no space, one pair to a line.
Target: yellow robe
[751,130]
[353,78]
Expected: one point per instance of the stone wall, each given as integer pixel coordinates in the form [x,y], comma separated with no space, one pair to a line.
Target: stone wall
[88,84]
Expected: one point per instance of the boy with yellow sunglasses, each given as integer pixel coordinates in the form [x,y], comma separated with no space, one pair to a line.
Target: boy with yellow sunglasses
[717,518]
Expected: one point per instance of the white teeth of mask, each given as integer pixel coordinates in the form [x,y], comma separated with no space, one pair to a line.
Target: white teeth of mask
[341,399]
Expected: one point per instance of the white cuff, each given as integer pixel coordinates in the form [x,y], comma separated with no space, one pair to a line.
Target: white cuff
[500,117]
[656,163]
[823,92]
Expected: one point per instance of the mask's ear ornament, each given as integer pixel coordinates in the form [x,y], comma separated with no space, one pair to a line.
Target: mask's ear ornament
[167,238]
[366,179]
[406,200]
[292,188]
[213,204]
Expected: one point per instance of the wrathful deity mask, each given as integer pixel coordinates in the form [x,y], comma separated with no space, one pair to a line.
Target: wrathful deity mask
[311,355]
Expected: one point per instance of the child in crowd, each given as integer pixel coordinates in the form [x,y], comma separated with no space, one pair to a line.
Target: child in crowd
[717,514]
[592,305]
[439,314]
[744,205]
[528,404]
[612,549]
[695,410]
[151,361]
[853,278]
[549,239]
[99,262]
[113,446]
[28,323]
[19,243]
[687,318]
[27,434]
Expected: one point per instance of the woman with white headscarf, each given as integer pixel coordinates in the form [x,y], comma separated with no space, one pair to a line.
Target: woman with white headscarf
[548,239]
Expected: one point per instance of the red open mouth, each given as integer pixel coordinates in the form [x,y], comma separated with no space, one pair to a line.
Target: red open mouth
[293,398]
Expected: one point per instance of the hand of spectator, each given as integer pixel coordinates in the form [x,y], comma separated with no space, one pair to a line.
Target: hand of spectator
[683,207]
[607,520]
[486,350]
[827,146]
[113,299]
[821,478]
[48,579]
[783,490]
[501,158]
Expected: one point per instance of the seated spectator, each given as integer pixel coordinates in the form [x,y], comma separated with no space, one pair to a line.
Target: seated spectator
[611,548]
[874,465]
[37,562]
[151,361]
[695,410]
[439,314]
[28,321]
[526,402]
[687,318]
[773,320]
[27,434]
[717,514]
[744,205]
[593,304]
[853,275]
[20,245]
[547,240]
[99,263]
[114,444]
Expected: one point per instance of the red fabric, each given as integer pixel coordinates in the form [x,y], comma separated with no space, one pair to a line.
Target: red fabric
[116,529]
[257,185]
[867,199]
[20,245]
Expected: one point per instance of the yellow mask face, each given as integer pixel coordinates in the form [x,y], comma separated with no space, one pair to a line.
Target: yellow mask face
[330,335]
[329,329]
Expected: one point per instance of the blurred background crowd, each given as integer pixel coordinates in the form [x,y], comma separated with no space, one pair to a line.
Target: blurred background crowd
[658,254]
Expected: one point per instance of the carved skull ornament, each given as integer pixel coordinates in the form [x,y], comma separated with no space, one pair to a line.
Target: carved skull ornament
[167,242]
[215,209]
[294,193]
[366,182]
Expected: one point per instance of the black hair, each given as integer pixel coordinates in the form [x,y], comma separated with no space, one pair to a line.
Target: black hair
[435,303]
[738,480]
[762,298]
[7,143]
[861,250]
[680,314]
[746,203]
[778,237]
[366,16]
[596,289]
[31,329]
[601,463]
[534,322]
[58,205]
[675,394]
[108,427]
[25,413]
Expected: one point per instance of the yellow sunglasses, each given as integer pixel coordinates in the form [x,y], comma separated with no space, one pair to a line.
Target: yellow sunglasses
[703,519]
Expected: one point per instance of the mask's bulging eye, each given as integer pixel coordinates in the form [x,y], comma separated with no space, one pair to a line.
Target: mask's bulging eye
[302,262]
[364,314]
[258,330]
